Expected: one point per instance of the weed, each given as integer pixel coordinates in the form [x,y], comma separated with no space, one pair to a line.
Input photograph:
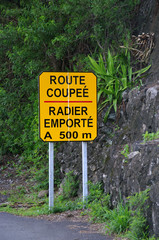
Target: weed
[62,205]
[128,217]
[125,152]
[95,191]
[137,205]
[70,185]
[137,227]
[150,136]
[119,218]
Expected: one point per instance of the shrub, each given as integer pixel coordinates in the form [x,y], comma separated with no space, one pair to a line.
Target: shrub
[70,185]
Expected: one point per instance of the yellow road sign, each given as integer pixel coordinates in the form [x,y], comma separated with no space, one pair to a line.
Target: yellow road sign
[68,106]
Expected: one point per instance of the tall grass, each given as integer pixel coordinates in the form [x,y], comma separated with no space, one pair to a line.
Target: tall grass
[126,218]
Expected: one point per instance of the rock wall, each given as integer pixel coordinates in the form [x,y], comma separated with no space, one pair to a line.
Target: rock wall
[140,170]
[123,176]
[138,113]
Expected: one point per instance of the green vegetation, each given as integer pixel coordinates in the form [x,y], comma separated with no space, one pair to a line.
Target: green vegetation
[33,206]
[125,152]
[38,36]
[29,204]
[114,77]
[150,136]
[127,219]
[70,185]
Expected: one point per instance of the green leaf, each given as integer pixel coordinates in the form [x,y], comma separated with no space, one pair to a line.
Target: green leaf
[101,64]
[95,66]
[117,87]
[99,95]
[130,74]
[107,113]
[141,71]
[109,92]
[110,64]
[115,104]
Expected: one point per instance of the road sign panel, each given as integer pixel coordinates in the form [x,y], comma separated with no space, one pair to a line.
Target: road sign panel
[68,106]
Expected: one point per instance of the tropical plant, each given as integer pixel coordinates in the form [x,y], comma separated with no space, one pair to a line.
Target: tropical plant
[114,76]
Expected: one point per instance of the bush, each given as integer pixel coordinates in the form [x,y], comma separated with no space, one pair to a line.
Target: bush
[70,185]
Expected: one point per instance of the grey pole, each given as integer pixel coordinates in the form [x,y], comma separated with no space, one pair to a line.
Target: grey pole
[51,175]
[84,170]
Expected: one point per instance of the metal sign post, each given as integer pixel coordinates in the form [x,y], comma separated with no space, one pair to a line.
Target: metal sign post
[51,175]
[84,171]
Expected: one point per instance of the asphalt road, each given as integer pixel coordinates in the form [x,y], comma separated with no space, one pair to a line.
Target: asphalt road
[24,228]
